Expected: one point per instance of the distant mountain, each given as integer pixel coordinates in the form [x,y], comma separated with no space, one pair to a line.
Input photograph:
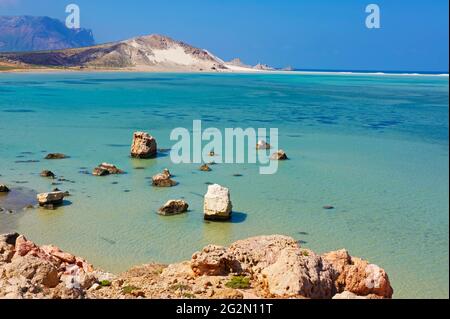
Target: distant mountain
[26,33]
[152,53]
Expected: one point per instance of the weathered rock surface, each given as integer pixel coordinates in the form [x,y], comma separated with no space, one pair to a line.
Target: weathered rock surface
[262,145]
[144,145]
[4,188]
[217,203]
[280,155]
[51,198]
[173,207]
[106,169]
[296,274]
[163,180]
[276,266]
[358,276]
[214,261]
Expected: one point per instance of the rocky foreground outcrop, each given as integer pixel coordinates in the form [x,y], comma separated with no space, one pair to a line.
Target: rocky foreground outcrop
[259,267]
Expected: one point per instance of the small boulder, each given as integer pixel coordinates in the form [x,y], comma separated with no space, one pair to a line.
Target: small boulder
[106,169]
[51,198]
[52,156]
[163,180]
[262,145]
[144,145]
[205,168]
[4,188]
[217,204]
[280,155]
[173,207]
[47,173]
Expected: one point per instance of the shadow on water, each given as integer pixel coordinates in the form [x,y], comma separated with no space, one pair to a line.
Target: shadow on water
[236,218]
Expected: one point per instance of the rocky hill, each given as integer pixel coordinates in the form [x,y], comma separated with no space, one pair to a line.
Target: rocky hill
[27,33]
[259,267]
[152,52]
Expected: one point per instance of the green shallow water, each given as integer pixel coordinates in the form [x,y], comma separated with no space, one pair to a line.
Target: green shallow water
[374,147]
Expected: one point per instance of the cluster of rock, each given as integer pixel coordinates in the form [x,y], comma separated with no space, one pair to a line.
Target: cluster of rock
[279,155]
[30,271]
[280,268]
[275,267]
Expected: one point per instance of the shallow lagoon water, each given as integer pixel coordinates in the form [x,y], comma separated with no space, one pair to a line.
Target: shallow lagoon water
[374,147]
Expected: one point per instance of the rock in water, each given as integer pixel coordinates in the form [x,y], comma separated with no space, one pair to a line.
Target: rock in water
[144,145]
[106,169]
[47,173]
[163,180]
[262,145]
[4,188]
[173,207]
[280,155]
[205,168]
[52,156]
[217,203]
[51,198]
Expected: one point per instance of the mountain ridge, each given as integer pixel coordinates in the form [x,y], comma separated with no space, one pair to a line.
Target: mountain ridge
[29,33]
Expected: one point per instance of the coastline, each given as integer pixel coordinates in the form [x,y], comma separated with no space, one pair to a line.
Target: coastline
[253,268]
[230,71]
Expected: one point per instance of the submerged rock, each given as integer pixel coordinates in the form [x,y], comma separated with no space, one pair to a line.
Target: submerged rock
[280,155]
[4,188]
[47,173]
[52,156]
[173,207]
[51,198]
[106,169]
[217,204]
[144,145]
[262,145]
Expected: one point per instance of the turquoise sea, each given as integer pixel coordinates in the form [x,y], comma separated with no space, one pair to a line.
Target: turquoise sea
[375,147]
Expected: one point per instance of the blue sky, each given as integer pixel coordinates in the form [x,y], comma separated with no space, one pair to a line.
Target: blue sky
[307,34]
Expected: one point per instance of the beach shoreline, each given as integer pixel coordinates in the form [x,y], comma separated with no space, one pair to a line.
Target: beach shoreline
[144,70]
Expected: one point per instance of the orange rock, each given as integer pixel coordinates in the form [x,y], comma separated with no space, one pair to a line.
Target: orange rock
[358,276]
